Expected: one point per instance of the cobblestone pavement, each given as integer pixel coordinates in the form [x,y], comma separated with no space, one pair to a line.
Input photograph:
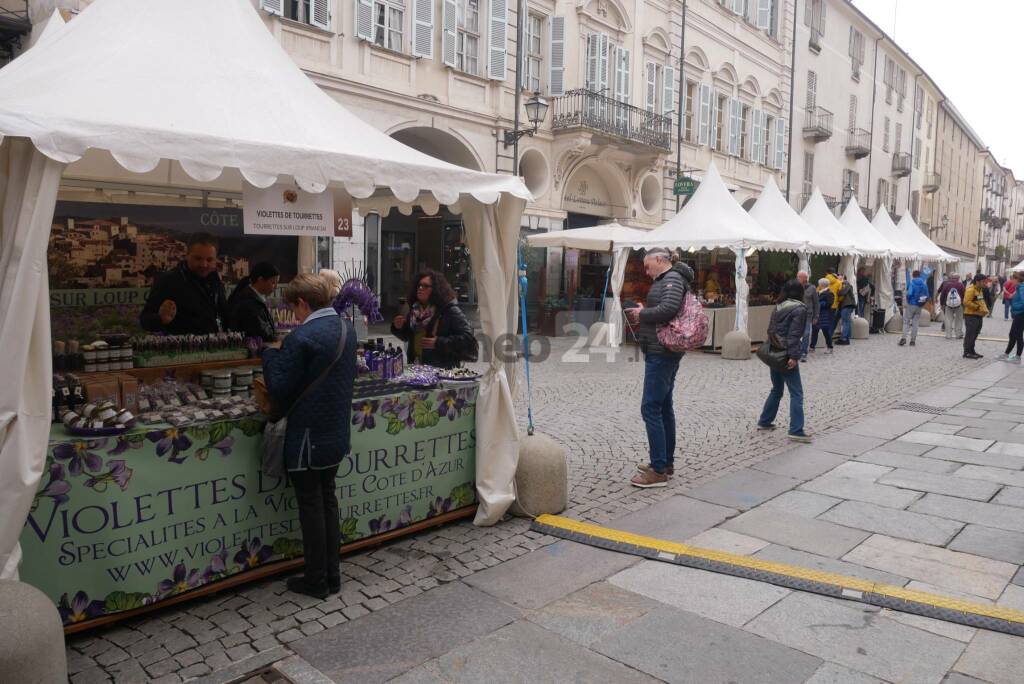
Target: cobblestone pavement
[591,408]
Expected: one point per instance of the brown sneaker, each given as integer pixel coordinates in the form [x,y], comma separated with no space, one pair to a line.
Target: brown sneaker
[644,467]
[650,478]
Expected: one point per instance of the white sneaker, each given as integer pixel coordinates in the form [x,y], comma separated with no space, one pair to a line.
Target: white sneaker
[1001,357]
[1013,358]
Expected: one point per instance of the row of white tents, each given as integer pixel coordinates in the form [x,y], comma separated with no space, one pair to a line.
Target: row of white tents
[713,219]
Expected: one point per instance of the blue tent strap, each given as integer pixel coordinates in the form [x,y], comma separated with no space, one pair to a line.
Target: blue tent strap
[523,285]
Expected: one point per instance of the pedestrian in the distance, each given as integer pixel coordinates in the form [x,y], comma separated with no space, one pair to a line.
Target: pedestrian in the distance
[989,290]
[1017,327]
[811,302]
[917,297]
[1009,290]
[865,292]
[826,315]
[951,298]
[975,310]
[671,283]
[847,305]
[786,328]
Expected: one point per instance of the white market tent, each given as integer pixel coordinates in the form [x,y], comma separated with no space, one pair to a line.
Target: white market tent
[600,238]
[870,244]
[105,90]
[823,221]
[922,246]
[776,216]
[713,219]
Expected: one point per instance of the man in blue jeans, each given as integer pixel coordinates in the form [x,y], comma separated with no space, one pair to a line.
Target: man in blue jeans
[812,304]
[671,283]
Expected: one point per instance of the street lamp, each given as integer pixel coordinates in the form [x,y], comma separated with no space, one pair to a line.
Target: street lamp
[536,110]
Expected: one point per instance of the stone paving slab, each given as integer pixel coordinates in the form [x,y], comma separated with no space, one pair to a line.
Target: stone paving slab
[976,421]
[806,534]
[1004,435]
[858,470]
[797,502]
[680,647]
[802,463]
[993,657]
[525,653]
[730,542]
[847,443]
[859,638]
[941,484]
[906,448]
[952,441]
[908,462]
[888,424]
[952,630]
[927,529]
[976,512]
[548,574]
[593,612]
[1014,478]
[743,489]
[675,519]
[991,543]
[941,428]
[987,458]
[830,673]
[961,572]
[783,554]
[722,598]
[387,643]
[861,490]
[1010,496]
[944,397]
[1009,448]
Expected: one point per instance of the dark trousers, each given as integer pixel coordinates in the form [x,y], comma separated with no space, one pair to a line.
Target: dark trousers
[824,326]
[657,410]
[1016,334]
[321,524]
[972,325]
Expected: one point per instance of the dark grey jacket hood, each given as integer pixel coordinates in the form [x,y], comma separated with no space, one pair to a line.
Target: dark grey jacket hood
[685,271]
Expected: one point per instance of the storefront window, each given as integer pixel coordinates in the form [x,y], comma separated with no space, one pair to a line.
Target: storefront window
[371,258]
[457,268]
[324,252]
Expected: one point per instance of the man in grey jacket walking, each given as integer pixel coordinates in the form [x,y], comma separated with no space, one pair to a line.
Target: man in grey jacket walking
[671,283]
[812,304]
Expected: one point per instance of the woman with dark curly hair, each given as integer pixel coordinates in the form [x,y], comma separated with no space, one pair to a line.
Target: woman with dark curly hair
[435,328]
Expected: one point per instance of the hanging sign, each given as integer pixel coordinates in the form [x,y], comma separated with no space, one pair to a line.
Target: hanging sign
[684,185]
[284,209]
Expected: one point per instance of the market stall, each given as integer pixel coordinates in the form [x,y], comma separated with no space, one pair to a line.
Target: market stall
[919,247]
[713,220]
[253,122]
[870,244]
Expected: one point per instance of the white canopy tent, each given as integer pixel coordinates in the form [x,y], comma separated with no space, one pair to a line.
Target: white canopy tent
[104,89]
[870,244]
[924,248]
[821,219]
[600,238]
[713,219]
[775,214]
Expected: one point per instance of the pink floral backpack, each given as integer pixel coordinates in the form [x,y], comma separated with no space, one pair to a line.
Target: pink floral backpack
[688,330]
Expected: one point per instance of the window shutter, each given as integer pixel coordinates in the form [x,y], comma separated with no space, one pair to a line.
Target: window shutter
[812,91]
[497,40]
[622,71]
[764,14]
[449,31]
[735,117]
[320,14]
[273,6]
[593,58]
[364,19]
[853,112]
[651,97]
[668,90]
[757,137]
[780,143]
[423,29]
[808,12]
[898,145]
[738,6]
[557,80]
[714,120]
[604,57]
[705,114]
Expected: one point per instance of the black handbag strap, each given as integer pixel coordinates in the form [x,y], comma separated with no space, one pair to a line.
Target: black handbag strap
[341,348]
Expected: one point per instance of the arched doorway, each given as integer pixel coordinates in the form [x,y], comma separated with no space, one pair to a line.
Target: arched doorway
[398,246]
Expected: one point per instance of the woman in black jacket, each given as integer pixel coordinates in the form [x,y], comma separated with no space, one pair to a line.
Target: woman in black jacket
[435,328]
[787,329]
[247,307]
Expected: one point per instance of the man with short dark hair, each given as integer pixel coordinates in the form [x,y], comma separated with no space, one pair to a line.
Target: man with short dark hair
[189,300]
[917,297]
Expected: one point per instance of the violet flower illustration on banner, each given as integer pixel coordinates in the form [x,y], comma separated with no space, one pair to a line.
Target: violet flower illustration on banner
[117,473]
[183,580]
[449,404]
[80,455]
[171,439]
[218,566]
[253,553]
[378,525]
[56,488]
[79,609]
[363,414]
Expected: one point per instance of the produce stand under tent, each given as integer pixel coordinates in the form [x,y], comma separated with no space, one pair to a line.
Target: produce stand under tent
[173,136]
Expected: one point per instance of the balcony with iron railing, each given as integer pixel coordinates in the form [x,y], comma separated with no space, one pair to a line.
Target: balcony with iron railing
[858,143]
[901,164]
[814,42]
[818,124]
[932,182]
[585,109]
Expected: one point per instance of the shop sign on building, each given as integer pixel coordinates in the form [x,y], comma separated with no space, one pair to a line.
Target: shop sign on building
[684,185]
[284,209]
[587,193]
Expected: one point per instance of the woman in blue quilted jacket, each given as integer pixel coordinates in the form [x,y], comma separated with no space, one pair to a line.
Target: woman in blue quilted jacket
[310,375]
[787,329]
[1017,327]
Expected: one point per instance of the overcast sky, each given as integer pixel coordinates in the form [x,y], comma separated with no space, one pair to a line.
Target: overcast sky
[972,51]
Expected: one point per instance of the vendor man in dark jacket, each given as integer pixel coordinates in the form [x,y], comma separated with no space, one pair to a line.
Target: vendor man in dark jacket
[671,283]
[190,299]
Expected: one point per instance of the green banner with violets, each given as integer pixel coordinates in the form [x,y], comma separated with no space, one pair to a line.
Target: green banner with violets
[127,521]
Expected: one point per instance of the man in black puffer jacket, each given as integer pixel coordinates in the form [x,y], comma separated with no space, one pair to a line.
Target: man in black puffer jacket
[671,283]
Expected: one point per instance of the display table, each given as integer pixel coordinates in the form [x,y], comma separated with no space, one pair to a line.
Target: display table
[161,514]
